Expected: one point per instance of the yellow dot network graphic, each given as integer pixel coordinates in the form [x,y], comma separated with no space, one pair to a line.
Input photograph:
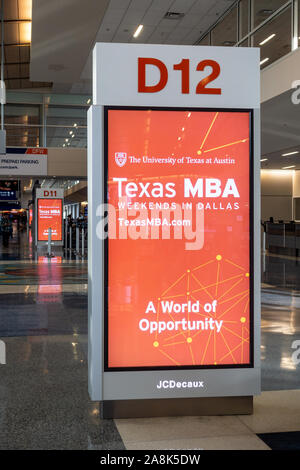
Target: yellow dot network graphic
[231,290]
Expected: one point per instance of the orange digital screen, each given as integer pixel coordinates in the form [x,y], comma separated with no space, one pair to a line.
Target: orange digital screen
[179,246]
[49,216]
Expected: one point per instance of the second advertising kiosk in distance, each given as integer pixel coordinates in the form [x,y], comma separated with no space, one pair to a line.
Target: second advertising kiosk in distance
[174,268]
[49,215]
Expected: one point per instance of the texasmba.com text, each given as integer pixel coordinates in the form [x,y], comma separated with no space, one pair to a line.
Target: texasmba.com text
[161,221]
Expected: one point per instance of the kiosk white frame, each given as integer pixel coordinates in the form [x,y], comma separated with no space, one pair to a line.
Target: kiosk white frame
[115,83]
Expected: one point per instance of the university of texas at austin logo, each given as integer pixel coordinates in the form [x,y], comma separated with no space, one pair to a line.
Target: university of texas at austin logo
[120,158]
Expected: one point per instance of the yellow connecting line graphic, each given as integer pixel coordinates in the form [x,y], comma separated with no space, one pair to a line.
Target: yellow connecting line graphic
[231,290]
[229,144]
[191,285]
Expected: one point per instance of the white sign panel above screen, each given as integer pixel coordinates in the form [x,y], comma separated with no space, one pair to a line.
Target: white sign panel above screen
[160,75]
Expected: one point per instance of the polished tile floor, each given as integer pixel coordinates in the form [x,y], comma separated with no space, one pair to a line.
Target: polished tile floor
[280,322]
[44,403]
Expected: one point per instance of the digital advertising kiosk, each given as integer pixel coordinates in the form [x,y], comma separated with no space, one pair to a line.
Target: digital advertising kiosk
[49,214]
[174,232]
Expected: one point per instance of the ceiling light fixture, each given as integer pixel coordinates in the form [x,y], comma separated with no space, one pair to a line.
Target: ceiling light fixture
[288,167]
[264,60]
[290,153]
[228,43]
[173,15]
[138,31]
[267,39]
[265,12]
[263,159]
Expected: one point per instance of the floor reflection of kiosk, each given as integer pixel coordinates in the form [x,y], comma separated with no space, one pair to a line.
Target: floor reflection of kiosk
[30,215]
[49,215]
[174,283]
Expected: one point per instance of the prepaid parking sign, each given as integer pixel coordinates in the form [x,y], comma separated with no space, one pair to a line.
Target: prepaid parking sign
[174,141]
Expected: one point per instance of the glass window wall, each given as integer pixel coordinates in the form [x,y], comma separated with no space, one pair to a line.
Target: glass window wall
[225,33]
[38,119]
[263,9]
[274,38]
[244,18]
[205,41]
[22,125]
[271,25]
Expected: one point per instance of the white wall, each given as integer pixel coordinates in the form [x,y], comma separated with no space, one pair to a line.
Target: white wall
[67,162]
[278,77]
[296,184]
[277,194]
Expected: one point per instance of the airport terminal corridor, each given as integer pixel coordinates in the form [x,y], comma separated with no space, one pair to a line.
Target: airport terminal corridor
[149,229]
[44,399]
